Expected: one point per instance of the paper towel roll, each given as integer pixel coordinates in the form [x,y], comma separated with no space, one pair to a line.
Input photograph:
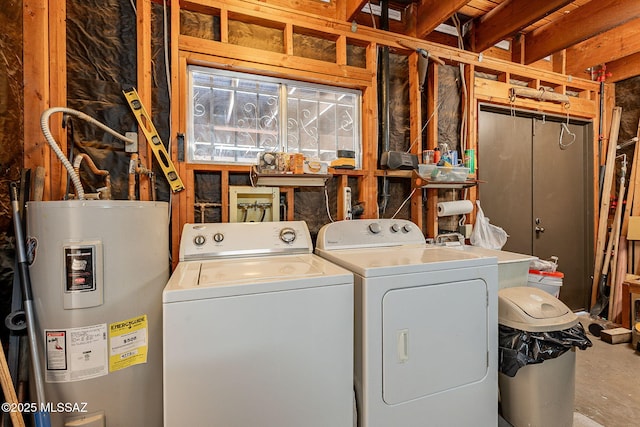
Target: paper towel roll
[458,207]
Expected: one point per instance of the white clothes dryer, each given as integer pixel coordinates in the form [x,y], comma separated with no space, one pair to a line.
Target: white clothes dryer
[426,326]
[258,331]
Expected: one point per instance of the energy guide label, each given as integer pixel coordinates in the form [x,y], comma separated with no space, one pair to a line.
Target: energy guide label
[128,343]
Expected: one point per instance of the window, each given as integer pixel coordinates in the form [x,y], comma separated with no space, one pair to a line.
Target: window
[234,116]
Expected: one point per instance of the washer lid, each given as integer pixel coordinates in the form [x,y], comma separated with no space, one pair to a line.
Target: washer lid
[534,310]
[193,280]
[385,261]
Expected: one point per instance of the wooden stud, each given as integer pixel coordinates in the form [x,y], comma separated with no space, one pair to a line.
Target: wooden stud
[415,131]
[224,195]
[291,198]
[343,181]
[432,142]
[224,25]
[341,50]
[288,39]
[177,119]
[36,85]
[472,133]
[144,60]
[369,183]
[58,93]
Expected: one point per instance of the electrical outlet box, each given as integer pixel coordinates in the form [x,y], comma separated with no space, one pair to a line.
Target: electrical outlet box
[346,203]
[465,230]
[131,147]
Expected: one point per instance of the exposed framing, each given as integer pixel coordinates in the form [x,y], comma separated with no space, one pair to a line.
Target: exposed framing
[45,50]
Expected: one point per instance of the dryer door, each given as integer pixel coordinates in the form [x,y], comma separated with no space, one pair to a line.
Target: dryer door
[434,339]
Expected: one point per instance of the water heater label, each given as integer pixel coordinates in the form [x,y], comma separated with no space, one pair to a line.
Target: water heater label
[79,264]
[75,354]
[128,343]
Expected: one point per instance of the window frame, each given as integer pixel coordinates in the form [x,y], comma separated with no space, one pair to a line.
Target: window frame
[282,135]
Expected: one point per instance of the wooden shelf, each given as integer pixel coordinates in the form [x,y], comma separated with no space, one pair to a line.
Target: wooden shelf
[445,185]
[395,173]
[288,180]
[420,182]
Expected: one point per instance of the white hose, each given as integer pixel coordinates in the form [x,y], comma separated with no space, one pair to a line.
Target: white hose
[44,125]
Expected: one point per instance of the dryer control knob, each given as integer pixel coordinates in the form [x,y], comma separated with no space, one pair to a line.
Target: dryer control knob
[395,228]
[288,235]
[407,228]
[199,240]
[375,228]
[218,237]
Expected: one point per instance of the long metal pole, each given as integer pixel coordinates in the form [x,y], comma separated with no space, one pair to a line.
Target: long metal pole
[42,418]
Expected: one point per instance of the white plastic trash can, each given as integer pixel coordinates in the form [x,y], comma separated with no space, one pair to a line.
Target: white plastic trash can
[540,394]
[548,281]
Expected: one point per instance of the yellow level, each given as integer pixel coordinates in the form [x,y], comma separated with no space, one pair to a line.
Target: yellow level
[153,139]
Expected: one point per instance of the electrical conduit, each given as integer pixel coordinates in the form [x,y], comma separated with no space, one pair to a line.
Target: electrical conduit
[44,125]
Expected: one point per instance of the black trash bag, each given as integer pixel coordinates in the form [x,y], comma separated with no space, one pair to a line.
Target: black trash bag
[520,348]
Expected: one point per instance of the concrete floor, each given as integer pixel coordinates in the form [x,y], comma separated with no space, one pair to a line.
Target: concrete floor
[608,383]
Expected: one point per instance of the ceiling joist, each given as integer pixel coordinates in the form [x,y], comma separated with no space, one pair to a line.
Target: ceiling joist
[602,15]
[583,33]
[353,7]
[604,48]
[507,19]
[432,13]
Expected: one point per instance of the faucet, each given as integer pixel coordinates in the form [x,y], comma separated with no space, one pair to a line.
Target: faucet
[442,239]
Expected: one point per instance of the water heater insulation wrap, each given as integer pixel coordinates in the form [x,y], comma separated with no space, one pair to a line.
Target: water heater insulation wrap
[97,275]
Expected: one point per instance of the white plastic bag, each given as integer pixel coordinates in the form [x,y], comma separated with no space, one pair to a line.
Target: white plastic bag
[550,265]
[487,235]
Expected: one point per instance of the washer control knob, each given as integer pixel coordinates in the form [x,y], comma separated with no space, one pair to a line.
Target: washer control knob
[288,235]
[407,228]
[218,237]
[395,228]
[199,240]
[375,228]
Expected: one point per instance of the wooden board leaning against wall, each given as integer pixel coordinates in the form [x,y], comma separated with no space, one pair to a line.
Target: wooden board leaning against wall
[487,79]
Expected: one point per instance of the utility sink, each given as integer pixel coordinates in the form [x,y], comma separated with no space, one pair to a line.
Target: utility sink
[513,268]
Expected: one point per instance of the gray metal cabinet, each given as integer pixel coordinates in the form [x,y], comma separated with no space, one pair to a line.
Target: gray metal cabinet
[539,188]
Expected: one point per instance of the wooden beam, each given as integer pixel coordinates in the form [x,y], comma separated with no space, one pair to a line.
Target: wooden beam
[352,8]
[431,202]
[506,19]
[432,13]
[145,58]
[604,48]
[178,74]
[572,28]
[369,183]
[58,93]
[35,16]
[624,68]
[415,130]
[367,35]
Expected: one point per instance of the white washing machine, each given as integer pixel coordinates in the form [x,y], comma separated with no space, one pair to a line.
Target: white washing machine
[258,331]
[426,326]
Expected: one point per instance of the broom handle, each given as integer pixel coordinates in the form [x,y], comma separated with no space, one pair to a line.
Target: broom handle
[41,417]
[9,393]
